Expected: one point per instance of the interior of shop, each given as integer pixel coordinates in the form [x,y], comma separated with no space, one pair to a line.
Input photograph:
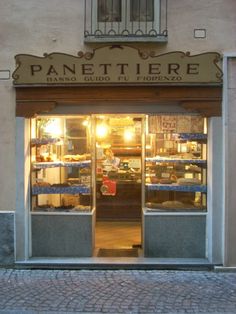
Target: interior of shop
[118,184]
[118,166]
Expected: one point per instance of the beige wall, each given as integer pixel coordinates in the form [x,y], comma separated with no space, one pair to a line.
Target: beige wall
[7,146]
[35,27]
[218,17]
[230,169]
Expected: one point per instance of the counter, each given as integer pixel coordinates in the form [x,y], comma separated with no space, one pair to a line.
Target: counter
[125,204]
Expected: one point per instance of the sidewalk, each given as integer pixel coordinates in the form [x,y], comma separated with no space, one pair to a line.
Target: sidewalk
[116,291]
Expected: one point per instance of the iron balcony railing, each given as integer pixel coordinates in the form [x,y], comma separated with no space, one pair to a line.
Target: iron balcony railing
[125,20]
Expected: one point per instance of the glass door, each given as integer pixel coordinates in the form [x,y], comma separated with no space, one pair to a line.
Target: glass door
[118,162]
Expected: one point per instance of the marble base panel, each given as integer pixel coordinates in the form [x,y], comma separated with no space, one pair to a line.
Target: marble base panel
[174,236]
[62,235]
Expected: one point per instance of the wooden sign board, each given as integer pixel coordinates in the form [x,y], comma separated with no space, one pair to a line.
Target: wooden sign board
[118,65]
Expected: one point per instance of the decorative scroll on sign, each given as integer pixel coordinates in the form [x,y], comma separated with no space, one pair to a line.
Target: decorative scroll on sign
[118,65]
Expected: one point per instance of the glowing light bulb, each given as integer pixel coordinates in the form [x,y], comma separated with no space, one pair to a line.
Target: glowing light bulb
[128,134]
[101,130]
[53,127]
[85,123]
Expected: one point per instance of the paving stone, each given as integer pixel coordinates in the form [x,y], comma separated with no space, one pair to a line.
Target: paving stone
[118,291]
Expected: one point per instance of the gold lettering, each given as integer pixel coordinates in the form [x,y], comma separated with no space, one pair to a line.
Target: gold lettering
[154,68]
[87,69]
[137,68]
[66,67]
[35,68]
[105,67]
[122,67]
[52,70]
[173,67]
[193,68]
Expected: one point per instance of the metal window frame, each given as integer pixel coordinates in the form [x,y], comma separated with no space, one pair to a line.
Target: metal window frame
[126,30]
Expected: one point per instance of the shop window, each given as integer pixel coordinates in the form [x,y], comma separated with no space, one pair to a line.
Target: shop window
[61,164]
[176,164]
[125,20]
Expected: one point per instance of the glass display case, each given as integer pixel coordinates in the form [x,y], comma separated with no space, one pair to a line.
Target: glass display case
[61,164]
[176,166]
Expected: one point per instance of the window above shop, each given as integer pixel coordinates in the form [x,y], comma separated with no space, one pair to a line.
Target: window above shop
[125,21]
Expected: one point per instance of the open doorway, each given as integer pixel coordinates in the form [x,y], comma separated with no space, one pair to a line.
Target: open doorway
[118,185]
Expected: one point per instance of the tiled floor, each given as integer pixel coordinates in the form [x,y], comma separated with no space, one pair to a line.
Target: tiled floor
[117,234]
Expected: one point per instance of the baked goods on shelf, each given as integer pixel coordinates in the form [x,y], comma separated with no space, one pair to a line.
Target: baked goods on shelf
[66,208]
[42,158]
[80,208]
[60,185]
[44,141]
[188,181]
[44,208]
[77,157]
[166,181]
[173,204]
[42,183]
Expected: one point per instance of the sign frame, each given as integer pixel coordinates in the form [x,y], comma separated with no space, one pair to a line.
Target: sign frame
[118,65]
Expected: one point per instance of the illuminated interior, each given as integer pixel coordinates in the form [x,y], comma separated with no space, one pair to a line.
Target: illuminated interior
[119,166]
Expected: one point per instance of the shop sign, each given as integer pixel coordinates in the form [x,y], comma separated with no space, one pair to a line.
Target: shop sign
[118,65]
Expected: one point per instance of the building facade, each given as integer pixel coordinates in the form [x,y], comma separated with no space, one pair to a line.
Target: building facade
[117,114]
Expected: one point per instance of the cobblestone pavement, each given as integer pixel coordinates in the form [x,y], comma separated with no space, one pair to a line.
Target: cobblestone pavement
[116,291]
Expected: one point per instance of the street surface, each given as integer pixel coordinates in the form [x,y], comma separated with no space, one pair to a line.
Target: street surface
[116,291]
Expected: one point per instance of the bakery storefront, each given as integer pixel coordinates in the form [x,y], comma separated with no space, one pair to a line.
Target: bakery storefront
[117,155]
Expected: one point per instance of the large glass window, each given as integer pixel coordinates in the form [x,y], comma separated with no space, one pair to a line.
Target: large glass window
[176,163]
[61,164]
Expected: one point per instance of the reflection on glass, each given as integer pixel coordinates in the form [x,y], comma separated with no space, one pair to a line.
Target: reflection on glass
[118,167]
[176,164]
[61,164]
[142,10]
[109,10]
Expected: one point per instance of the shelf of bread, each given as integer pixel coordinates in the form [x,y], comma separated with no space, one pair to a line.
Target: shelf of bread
[63,208]
[174,206]
[44,141]
[55,164]
[66,188]
[175,159]
[177,187]
[192,136]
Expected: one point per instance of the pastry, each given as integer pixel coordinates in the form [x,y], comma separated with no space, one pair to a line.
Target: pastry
[42,184]
[186,181]
[173,204]
[166,181]
[60,185]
